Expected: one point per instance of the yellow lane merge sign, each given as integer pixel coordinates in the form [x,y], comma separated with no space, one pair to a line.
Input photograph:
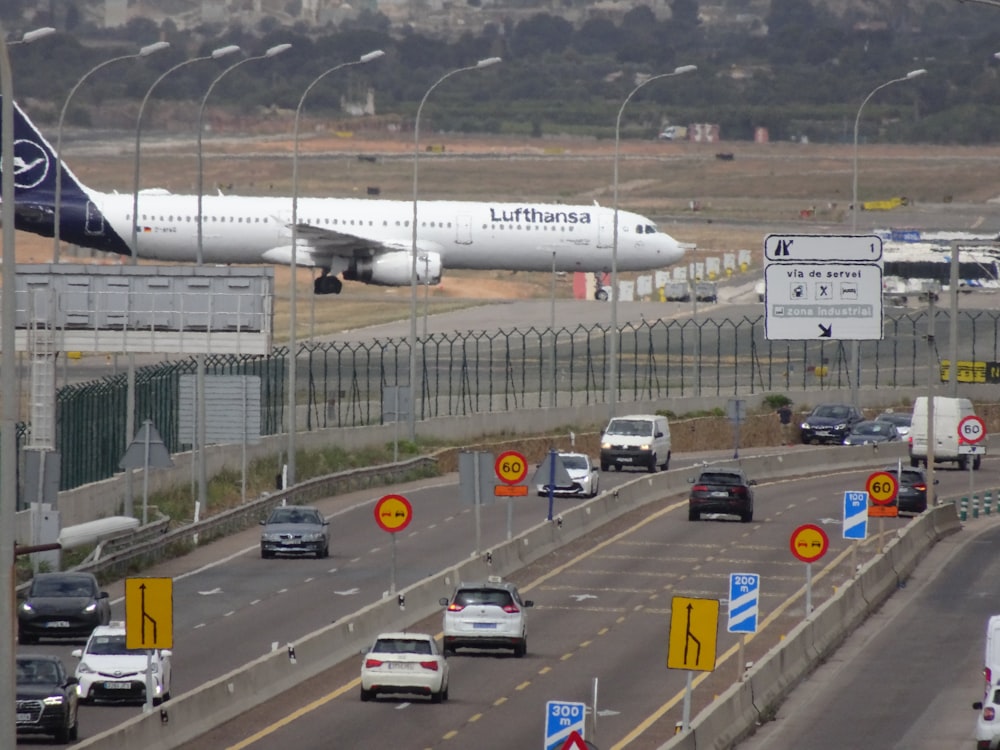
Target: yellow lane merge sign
[149,613]
[694,628]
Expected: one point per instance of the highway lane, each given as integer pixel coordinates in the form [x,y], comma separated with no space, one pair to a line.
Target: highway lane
[601,611]
[908,676]
[231,607]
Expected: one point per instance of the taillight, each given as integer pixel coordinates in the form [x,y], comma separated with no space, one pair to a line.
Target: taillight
[988,675]
[989,713]
[910,440]
[431,665]
[511,609]
[740,491]
[700,488]
[372,663]
[455,607]
[920,487]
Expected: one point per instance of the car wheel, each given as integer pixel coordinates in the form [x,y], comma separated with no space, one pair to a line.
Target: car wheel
[26,640]
[693,515]
[666,464]
[437,697]
[62,733]
[265,554]
[595,488]
[520,649]
[747,516]
[444,693]
[652,464]
[604,466]
[963,463]
[914,462]
[74,731]
[618,467]
[367,695]
[976,462]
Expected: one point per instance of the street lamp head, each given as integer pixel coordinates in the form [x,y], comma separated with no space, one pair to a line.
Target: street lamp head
[488,62]
[916,73]
[369,56]
[149,49]
[35,34]
[223,51]
[685,69]
[277,50]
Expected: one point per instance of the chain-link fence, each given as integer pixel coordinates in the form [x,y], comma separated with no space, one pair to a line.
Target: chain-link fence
[462,373]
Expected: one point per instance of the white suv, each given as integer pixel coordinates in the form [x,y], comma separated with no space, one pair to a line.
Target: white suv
[110,672]
[486,615]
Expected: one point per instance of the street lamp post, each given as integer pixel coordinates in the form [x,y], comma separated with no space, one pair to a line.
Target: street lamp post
[411,413]
[198,449]
[130,379]
[293,301]
[855,347]
[613,345]
[149,49]
[32,36]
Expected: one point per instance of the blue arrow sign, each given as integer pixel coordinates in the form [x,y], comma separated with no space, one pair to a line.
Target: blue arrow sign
[855,515]
[561,718]
[744,597]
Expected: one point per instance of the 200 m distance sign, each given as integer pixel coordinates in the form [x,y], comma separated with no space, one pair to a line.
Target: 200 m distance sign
[393,513]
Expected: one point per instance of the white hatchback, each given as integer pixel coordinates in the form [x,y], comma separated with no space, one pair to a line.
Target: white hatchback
[584,478]
[487,615]
[110,672]
[404,663]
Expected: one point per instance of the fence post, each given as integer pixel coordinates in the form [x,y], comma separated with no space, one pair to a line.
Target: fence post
[963,509]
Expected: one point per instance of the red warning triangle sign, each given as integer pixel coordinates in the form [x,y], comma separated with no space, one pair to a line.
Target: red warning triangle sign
[574,742]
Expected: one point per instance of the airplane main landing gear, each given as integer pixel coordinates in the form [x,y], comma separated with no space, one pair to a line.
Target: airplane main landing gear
[327,284]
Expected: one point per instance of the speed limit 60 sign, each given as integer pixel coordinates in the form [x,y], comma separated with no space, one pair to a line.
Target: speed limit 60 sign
[511,467]
[971,429]
[882,487]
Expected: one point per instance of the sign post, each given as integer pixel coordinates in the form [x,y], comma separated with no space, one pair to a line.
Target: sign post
[809,543]
[511,468]
[393,513]
[883,487]
[971,431]
[744,600]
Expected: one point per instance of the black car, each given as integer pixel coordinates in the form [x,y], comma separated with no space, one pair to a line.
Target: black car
[720,490]
[872,432]
[912,494]
[46,698]
[829,423]
[62,605]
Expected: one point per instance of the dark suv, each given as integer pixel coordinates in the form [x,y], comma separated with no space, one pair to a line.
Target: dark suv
[721,490]
[829,423]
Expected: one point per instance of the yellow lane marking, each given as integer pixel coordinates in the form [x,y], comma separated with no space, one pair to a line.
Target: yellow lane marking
[523,685]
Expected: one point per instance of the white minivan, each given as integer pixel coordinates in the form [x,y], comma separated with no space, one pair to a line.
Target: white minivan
[948,413]
[641,440]
[988,721]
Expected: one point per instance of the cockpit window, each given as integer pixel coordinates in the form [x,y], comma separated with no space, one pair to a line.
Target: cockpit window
[650,229]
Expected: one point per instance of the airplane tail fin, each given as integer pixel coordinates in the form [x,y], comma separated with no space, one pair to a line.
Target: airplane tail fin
[35,166]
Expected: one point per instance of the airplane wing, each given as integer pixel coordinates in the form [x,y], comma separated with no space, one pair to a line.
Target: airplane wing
[324,246]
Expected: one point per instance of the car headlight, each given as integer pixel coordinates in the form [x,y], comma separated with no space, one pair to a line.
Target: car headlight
[314,536]
[606,446]
[842,426]
[54,700]
[644,447]
[90,607]
[804,425]
[84,668]
[26,607]
[270,537]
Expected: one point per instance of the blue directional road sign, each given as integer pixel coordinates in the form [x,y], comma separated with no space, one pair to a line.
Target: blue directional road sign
[744,598]
[855,515]
[561,718]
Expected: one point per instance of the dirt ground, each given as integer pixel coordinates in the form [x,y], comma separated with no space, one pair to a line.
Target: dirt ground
[716,204]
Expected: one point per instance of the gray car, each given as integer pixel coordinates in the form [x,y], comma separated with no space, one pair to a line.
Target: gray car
[295,530]
[871,432]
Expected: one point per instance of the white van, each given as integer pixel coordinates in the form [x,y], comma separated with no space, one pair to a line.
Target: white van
[641,440]
[948,412]
[988,721]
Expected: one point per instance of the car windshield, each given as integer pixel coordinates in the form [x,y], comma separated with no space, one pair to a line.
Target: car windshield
[37,672]
[832,412]
[873,428]
[294,515]
[402,646]
[720,477]
[75,587]
[574,462]
[108,645]
[494,597]
[637,427]
[897,419]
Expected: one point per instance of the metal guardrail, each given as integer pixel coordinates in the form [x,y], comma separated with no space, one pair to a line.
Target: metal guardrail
[153,543]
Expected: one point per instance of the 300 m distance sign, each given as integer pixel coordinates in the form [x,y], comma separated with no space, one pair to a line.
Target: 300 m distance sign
[511,467]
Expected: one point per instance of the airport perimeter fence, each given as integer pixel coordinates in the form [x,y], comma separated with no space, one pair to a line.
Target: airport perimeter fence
[341,384]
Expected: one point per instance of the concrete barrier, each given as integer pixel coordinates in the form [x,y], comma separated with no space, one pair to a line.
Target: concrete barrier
[725,721]
[226,697]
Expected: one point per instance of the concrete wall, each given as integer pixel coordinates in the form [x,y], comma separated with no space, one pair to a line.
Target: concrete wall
[222,699]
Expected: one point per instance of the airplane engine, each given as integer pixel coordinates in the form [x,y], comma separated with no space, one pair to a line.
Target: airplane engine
[393,269]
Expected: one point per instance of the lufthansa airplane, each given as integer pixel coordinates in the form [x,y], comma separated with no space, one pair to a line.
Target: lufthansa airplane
[361,240]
